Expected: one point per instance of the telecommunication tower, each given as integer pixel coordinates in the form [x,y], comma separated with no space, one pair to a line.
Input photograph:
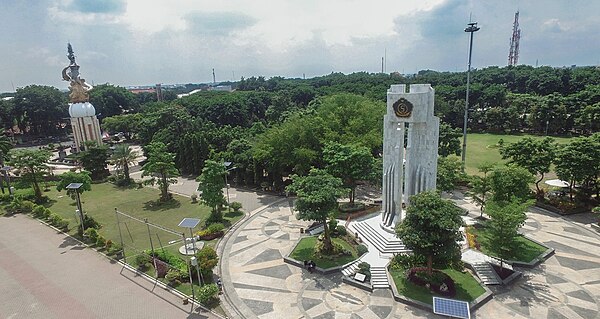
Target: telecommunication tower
[513,54]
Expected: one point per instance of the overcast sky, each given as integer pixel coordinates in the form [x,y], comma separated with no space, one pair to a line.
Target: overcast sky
[141,42]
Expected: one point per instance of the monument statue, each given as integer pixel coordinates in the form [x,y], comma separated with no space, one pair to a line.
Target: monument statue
[79,88]
[84,121]
[412,169]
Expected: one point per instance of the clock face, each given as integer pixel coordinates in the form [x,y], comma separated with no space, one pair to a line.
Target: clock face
[402,107]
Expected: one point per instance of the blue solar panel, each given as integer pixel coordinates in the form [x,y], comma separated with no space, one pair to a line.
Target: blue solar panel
[189,222]
[452,308]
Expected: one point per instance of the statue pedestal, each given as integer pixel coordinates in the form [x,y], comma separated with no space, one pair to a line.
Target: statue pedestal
[388,229]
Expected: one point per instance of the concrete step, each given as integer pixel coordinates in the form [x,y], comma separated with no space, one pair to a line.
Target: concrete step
[351,269]
[316,230]
[486,273]
[379,278]
[383,244]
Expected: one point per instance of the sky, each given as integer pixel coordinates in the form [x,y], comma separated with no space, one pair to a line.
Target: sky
[144,42]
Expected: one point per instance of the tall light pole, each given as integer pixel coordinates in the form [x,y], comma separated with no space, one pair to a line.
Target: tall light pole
[75,187]
[472,28]
[226,164]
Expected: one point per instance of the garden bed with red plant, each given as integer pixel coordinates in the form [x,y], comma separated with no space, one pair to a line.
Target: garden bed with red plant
[438,282]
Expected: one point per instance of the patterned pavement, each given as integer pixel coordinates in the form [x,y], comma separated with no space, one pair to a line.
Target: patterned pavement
[259,284]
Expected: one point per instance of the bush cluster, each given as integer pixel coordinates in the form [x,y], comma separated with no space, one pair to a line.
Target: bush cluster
[207,293]
[211,232]
[437,282]
[362,249]
[173,260]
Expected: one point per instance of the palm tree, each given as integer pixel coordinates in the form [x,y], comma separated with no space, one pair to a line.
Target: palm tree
[122,157]
[5,146]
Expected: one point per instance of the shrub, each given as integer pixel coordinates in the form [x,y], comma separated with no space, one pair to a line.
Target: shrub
[46,214]
[142,260]
[341,230]
[91,233]
[332,223]
[236,206]
[114,249]
[62,225]
[194,198]
[215,228]
[38,211]
[5,198]
[365,269]
[173,276]
[211,232]
[207,259]
[108,245]
[90,222]
[348,208]
[207,293]
[169,258]
[362,249]
[100,241]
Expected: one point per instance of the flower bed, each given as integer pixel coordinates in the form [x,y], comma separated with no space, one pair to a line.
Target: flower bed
[438,282]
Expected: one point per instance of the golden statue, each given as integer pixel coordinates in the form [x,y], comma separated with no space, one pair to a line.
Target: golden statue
[79,88]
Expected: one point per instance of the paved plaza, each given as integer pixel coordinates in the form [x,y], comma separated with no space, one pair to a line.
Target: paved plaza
[45,274]
[260,285]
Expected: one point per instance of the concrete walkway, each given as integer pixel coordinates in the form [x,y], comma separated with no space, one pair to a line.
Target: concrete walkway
[258,284]
[44,274]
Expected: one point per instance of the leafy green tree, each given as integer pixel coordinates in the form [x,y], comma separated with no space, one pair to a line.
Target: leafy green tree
[161,167]
[317,193]
[95,160]
[40,109]
[211,188]
[449,173]
[129,124]
[449,140]
[534,155]
[351,163]
[110,100]
[480,185]
[122,157]
[507,182]
[67,178]
[503,227]
[5,146]
[588,118]
[579,162]
[431,228]
[207,260]
[31,165]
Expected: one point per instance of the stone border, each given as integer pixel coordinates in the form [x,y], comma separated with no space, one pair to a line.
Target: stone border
[596,227]
[537,260]
[516,275]
[355,283]
[130,268]
[473,305]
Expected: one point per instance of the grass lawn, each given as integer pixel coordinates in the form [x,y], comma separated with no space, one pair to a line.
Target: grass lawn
[483,148]
[467,288]
[100,203]
[305,251]
[528,250]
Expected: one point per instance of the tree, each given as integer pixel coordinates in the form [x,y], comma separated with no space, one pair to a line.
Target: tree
[207,259]
[579,162]
[431,228]
[503,227]
[211,188]
[449,140]
[95,160]
[534,155]
[5,146]
[351,163]
[507,182]
[480,185]
[40,109]
[317,199]
[129,124]
[31,165]
[448,173]
[122,157]
[110,100]
[161,167]
[67,178]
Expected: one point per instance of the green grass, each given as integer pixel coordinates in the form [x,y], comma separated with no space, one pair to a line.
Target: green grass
[483,148]
[527,252]
[100,203]
[305,251]
[467,288]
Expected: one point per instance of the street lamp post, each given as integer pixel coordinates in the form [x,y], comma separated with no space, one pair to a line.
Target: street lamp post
[190,223]
[472,28]
[226,164]
[5,171]
[75,187]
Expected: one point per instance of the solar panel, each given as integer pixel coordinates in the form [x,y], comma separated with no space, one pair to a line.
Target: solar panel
[451,308]
[189,222]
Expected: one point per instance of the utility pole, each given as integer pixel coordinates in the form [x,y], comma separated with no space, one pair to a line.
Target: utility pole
[472,28]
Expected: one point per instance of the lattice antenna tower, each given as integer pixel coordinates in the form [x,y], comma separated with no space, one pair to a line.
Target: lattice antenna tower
[513,54]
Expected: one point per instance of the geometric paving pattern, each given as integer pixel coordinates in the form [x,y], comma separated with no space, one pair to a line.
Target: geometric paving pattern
[261,285]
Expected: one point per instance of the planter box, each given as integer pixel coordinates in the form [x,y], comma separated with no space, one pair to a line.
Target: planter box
[355,283]
[554,209]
